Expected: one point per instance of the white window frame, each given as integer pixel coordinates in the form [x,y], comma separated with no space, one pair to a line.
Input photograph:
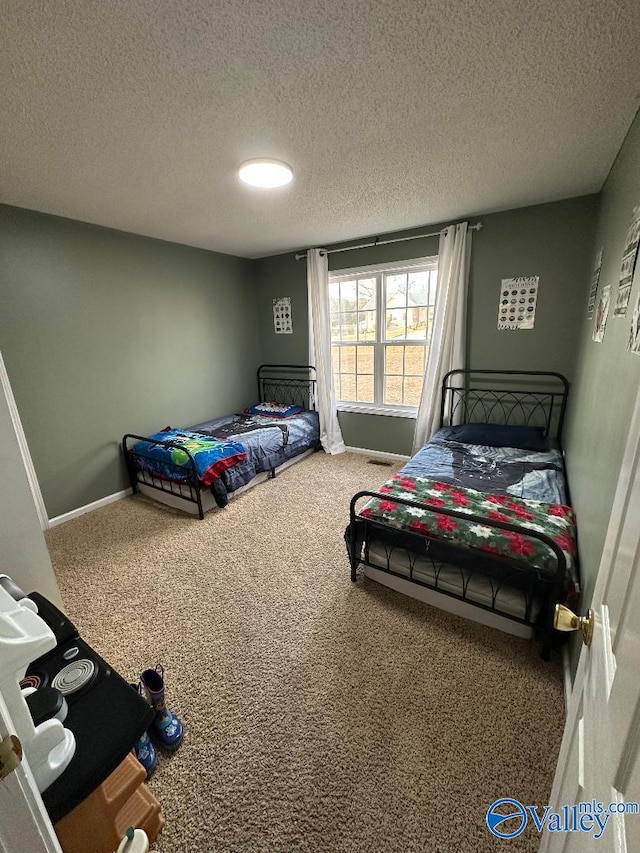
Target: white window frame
[378,270]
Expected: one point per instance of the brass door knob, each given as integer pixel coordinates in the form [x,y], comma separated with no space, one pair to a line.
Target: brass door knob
[566,620]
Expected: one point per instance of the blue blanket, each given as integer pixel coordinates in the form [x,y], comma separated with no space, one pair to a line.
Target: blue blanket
[267,447]
[525,474]
[211,456]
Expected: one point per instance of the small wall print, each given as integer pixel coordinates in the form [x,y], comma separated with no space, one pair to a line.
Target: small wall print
[517,305]
[282,321]
[629,259]
[595,279]
[634,335]
[602,312]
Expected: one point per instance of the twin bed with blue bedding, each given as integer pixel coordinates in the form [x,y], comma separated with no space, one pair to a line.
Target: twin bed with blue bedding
[206,463]
[268,442]
[478,522]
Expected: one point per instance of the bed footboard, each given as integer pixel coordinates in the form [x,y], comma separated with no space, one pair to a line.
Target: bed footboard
[547,588]
[186,486]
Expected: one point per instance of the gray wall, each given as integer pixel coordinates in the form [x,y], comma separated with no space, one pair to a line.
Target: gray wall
[104,333]
[551,240]
[23,552]
[607,376]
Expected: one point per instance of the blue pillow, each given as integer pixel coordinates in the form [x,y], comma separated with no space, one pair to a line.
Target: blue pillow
[500,435]
[274,410]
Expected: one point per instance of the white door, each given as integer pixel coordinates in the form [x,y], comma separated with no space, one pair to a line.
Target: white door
[599,759]
[24,822]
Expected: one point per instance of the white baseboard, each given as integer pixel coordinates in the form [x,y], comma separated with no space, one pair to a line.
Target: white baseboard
[382,454]
[81,510]
[166,497]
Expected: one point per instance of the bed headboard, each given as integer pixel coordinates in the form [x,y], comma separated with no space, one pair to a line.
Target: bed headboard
[513,397]
[288,384]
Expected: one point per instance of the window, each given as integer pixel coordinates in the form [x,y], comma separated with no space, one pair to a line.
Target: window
[381,321]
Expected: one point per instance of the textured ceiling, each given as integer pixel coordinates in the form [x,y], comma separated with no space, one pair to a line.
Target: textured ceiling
[393,113]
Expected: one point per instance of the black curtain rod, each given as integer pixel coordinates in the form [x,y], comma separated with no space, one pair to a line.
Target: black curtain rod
[378,242]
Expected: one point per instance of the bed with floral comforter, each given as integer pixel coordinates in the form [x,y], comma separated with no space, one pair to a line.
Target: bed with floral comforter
[555,521]
[488,524]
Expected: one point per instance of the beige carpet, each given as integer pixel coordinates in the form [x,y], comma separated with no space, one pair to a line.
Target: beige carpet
[321,715]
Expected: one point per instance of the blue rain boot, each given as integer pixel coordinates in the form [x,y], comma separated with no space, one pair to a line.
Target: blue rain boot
[144,749]
[146,753]
[168,727]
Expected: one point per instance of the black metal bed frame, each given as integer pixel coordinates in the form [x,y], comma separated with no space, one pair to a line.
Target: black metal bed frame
[285,384]
[470,403]
[280,384]
[465,401]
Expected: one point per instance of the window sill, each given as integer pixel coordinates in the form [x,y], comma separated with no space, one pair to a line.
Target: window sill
[369,409]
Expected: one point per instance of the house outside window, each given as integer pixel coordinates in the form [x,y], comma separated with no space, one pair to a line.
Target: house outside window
[381,322]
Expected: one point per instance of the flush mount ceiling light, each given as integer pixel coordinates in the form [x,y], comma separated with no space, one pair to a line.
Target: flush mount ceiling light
[266,174]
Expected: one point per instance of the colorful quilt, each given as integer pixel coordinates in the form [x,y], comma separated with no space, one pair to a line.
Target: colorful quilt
[211,456]
[557,521]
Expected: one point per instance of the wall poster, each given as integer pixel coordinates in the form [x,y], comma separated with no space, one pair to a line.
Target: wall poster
[634,336]
[629,258]
[602,312]
[595,278]
[517,306]
[282,322]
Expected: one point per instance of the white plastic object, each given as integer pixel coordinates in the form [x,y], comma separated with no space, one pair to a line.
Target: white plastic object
[138,844]
[24,637]
[16,593]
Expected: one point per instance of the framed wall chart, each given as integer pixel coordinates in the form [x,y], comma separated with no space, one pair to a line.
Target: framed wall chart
[517,304]
[282,321]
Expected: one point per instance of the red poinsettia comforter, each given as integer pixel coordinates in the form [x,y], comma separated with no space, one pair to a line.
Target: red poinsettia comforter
[556,521]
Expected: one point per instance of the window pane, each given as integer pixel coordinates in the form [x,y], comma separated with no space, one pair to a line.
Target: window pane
[393,360]
[365,389]
[393,389]
[417,322]
[417,288]
[367,294]
[396,323]
[335,359]
[414,360]
[348,321]
[396,290]
[365,360]
[348,296]
[348,387]
[366,325]
[412,390]
[347,360]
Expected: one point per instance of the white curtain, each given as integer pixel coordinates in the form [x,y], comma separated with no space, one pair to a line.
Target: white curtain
[447,348]
[320,349]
